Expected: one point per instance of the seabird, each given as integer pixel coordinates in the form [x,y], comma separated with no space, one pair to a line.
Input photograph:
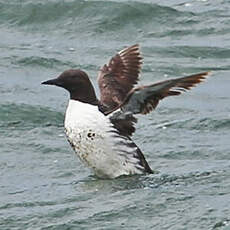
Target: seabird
[100,131]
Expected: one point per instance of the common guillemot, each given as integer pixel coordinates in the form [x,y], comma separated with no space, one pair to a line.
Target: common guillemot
[100,130]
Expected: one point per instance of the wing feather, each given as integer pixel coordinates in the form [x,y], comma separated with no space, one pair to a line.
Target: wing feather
[116,79]
[145,99]
[121,101]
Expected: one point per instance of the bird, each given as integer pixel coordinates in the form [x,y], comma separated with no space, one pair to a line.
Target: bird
[100,130]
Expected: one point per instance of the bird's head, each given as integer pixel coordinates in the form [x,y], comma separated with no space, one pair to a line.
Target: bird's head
[77,83]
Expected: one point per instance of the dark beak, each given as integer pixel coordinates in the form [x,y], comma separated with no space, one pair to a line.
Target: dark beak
[51,82]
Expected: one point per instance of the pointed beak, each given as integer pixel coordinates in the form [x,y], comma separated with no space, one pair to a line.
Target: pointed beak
[51,82]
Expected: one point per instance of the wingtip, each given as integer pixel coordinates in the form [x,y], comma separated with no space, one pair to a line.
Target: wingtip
[127,49]
[209,73]
[136,45]
[205,75]
[201,77]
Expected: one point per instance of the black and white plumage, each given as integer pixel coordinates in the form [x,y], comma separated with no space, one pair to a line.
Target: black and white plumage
[100,130]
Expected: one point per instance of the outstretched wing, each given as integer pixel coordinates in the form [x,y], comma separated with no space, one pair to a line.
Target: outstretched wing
[145,99]
[118,77]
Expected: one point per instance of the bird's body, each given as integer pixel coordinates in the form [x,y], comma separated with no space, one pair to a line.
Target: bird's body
[98,144]
[100,130]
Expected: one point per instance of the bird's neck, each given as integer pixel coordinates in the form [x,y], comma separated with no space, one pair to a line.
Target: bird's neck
[85,96]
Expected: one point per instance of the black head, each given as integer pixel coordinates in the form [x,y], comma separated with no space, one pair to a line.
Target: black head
[78,85]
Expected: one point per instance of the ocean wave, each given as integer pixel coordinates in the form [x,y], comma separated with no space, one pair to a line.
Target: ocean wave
[40,61]
[23,116]
[46,62]
[116,19]
[99,15]
[211,124]
[191,51]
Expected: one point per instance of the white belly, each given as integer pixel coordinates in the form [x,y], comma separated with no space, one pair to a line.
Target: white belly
[96,142]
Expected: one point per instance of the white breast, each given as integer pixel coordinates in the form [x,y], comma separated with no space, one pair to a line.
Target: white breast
[97,143]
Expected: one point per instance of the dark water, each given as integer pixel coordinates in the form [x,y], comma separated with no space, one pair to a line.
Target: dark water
[44,186]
